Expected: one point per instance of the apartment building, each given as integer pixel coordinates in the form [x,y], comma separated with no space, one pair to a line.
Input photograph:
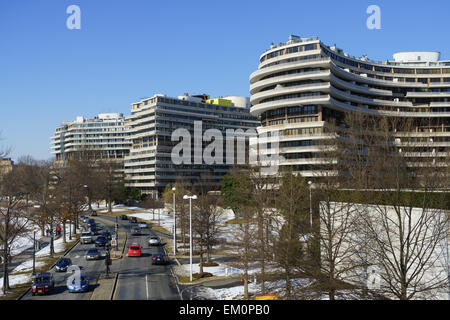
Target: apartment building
[103,137]
[6,165]
[149,165]
[303,84]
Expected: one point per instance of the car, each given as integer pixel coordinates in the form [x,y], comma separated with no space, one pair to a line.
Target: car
[106,234]
[154,241]
[91,221]
[132,220]
[100,241]
[86,237]
[135,250]
[92,213]
[93,254]
[79,285]
[123,217]
[159,258]
[136,231]
[62,264]
[143,225]
[43,283]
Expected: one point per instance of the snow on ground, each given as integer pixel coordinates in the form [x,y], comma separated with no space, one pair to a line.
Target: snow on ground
[28,265]
[15,280]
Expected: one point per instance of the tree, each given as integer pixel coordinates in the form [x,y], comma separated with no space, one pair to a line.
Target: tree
[205,224]
[13,215]
[238,195]
[400,228]
[293,206]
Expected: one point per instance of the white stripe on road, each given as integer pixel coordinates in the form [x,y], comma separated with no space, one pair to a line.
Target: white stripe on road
[146,285]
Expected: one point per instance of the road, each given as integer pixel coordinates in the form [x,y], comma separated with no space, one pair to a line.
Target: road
[91,269]
[138,278]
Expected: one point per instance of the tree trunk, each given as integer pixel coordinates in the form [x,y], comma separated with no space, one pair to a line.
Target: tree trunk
[64,231]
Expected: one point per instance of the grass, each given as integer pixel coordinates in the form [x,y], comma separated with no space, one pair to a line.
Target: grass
[239,221]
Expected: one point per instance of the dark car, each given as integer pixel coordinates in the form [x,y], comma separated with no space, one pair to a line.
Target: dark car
[80,284]
[100,241]
[92,213]
[123,217]
[107,235]
[93,254]
[132,220]
[62,264]
[136,231]
[43,283]
[159,258]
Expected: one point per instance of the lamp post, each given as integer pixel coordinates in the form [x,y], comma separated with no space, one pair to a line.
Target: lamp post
[310,205]
[174,224]
[194,197]
[34,253]
[34,247]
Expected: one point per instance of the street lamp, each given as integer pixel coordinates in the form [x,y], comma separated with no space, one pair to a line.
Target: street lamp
[34,247]
[174,224]
[310,204]
[194,197]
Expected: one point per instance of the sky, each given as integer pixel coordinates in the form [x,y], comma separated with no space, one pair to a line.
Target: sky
[127,50]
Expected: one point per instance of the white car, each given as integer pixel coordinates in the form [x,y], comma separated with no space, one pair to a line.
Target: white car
[142,225]
[154,241]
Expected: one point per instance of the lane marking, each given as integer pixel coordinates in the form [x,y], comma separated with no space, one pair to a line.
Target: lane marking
[146,285]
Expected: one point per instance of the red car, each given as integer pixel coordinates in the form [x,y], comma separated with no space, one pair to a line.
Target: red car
[43,284]
[134,250]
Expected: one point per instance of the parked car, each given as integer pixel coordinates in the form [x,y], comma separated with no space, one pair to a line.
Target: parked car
[136,231]
[134,250]
[86,237]
[142,225]
[132,220]
[43,283]
[159,258]
[93,254]
[62,264]
[154,241]
[123,217]
[80,284]
[100,241]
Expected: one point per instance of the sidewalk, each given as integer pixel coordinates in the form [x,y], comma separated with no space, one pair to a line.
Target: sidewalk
[25,255]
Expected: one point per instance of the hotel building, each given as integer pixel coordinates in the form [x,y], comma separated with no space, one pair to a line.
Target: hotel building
[303,84]
[149,165]
[101,138]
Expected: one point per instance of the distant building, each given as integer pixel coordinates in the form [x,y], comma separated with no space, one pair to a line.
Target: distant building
[6,165]
[101,138]
[149,165]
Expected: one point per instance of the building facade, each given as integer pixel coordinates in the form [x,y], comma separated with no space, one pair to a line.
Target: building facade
[6,166]
[101,138]
[150,166]
[303,84]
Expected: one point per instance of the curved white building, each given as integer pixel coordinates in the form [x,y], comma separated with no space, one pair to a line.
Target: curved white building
[302,84]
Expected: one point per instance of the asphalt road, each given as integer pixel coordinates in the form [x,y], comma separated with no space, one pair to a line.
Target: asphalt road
[91,269]
[138,278]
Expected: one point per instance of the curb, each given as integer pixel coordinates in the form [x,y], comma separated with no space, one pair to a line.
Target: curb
[113,291]
[52,266]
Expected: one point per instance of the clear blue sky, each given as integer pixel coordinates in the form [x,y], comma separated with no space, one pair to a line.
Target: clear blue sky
[126,50]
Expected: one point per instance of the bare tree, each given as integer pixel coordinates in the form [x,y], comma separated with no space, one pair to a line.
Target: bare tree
[293,206]
[13,215]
